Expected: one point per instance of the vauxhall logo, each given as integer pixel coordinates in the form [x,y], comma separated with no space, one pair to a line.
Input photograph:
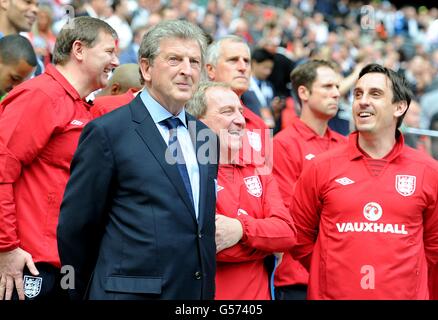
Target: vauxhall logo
[372,211]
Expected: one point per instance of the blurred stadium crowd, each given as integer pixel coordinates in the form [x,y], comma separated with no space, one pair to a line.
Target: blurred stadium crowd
[350,33]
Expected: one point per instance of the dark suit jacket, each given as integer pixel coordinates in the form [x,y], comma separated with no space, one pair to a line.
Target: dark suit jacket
[127,225]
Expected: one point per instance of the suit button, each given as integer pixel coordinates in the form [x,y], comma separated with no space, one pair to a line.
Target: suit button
[198,275]
[199,235]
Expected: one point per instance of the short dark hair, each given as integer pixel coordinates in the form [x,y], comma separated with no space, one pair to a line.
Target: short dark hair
[259,55]
[399,85]
[14,48]
[305,74]
[115,4]
[84,29]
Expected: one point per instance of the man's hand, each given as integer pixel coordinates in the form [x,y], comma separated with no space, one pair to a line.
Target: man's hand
[277,105]
[228,232]
[11,272]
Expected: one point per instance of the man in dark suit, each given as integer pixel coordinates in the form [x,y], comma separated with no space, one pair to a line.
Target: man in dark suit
[138,221]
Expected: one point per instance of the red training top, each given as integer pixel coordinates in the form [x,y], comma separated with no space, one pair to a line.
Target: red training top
[294,148]
[368,224]
[267,227]
[106,104]
[256,144]
[40,125]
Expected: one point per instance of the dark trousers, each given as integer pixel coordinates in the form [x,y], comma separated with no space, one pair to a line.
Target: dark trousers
[45,286]
[293,292]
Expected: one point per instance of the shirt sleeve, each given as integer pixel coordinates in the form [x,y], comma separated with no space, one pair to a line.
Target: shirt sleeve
[431,217]
[286,170]
[240,253]
[305,209]
[276,231]
[433,281]
[10,169]
[26,125]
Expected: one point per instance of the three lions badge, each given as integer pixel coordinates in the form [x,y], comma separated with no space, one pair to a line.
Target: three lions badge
[32,286]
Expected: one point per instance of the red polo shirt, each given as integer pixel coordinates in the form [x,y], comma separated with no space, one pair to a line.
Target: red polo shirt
[40,125]
[294,148]
[106,104]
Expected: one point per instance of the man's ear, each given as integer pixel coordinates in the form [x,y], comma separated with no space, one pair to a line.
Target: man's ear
[400,108]
[116,89]
[303,93]
[145,68]
[211,71]
[77,50]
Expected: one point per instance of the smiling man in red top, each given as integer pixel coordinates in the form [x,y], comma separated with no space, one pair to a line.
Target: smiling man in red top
[251,219]
[316,84]
[40,124]
[366,213]
[228,60]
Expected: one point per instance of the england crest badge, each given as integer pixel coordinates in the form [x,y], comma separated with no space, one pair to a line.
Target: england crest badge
[253,186]
[32,286]
[405,184]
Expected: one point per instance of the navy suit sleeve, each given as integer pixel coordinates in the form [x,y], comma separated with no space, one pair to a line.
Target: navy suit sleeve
[250,100]
[84,207]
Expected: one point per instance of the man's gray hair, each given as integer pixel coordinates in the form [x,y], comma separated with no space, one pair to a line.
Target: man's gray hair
[150,45]
[213,50]
[197,105]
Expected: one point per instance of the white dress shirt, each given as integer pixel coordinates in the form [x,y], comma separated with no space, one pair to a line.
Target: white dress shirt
[158,114]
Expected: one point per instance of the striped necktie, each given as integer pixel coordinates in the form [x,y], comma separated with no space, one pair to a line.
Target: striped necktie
[172,124]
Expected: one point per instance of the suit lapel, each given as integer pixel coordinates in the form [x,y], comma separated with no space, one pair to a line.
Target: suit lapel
[150,135]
